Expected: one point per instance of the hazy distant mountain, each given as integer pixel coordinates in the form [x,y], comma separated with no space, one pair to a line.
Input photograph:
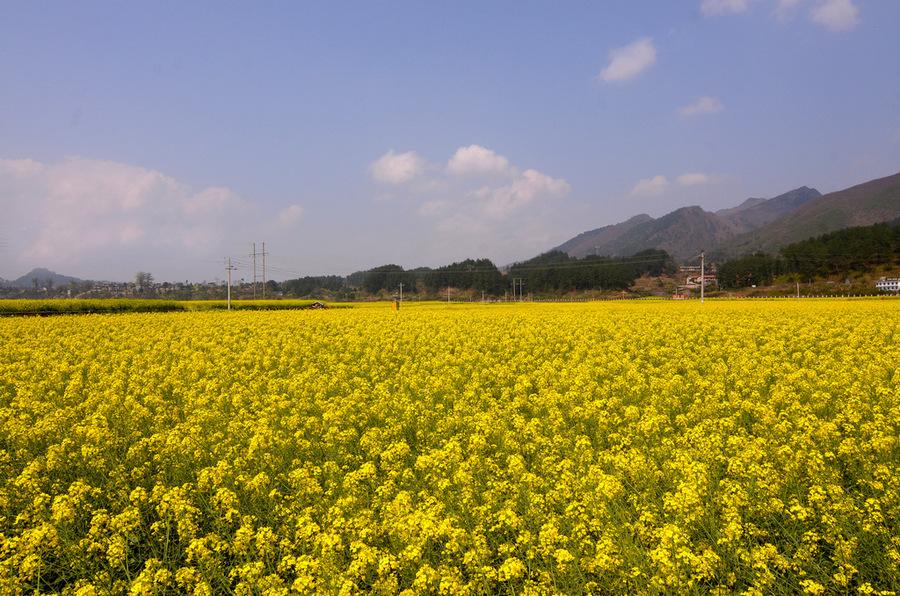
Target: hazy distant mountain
[861,205]
[686,231]
[682,233]
[585,243]
[755,213]
[751,202]
[42,276]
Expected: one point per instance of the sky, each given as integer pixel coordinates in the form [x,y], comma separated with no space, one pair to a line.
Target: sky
[168,136]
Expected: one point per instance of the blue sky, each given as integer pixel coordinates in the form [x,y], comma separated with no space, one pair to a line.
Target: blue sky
[166,136]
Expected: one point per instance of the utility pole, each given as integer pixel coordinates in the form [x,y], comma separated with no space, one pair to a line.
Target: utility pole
[229,268]
[264,271]
[596,253]
[401,291]
[798,287]
[448,294]
[702,275]
[253,256]
[518,284]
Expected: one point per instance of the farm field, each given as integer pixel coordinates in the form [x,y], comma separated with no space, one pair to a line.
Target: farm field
[455,449]
[63,306]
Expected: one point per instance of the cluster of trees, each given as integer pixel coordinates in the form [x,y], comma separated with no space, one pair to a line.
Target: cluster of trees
[752,270]
[472,274]
[836,253]
[389,278]
[554,271]
[143,281]
[306,286]
[143,286]
[557,271]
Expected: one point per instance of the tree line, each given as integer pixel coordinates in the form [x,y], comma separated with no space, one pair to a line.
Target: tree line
[836,253]
[557,271]
[553,271]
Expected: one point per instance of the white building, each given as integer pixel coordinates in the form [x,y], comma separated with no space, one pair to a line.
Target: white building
[888,284]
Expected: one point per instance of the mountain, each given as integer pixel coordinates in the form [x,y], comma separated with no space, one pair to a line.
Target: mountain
[756,213]
[585,243]
[682,233]
[42,276]
[861,205]
[751,202]
[686,231]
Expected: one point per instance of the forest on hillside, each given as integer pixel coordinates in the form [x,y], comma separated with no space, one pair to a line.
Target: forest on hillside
[837,253]
[553,271]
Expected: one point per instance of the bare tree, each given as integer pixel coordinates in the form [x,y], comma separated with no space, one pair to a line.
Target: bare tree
[143,280]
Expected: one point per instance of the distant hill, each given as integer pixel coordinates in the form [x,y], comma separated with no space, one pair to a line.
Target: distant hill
[751,202]
[848,252]
[861,205]
[42,276]
[584,244]
[756,213]
[685,231]
[682,233]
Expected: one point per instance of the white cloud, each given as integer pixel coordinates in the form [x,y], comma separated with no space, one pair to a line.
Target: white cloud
[86,205]
[649,187]
[290,216]
[476,159]
[20,168]
[479,200]
[397,168]
[629,61]
[702,105]
[835,15]
[693,179]
[527,187]
[106,219]
[715,7]
[211,200]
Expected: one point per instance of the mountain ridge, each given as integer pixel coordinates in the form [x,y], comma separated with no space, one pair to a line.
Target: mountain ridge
[863,204]
[42,276]
[686,230]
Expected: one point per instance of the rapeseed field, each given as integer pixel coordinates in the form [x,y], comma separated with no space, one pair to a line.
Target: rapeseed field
[584,448]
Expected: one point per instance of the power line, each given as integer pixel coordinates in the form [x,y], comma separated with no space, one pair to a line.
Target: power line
[518,268]
[253,256]
[264,270]
[229,268]
[565,266]
[287,271]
